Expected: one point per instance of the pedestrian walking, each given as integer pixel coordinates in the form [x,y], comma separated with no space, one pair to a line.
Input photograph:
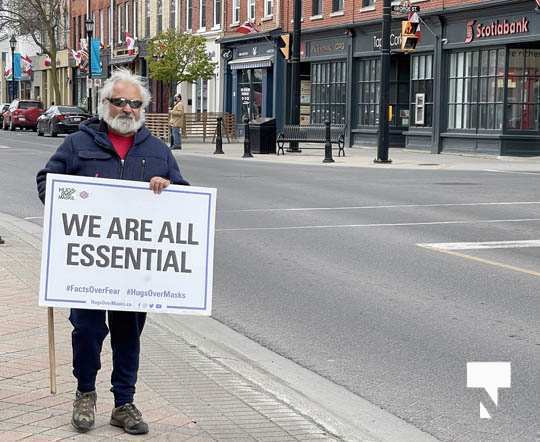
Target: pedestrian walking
[177,121]
[116,144]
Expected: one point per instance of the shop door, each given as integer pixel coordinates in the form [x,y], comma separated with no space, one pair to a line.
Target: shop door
[250,92]
[399,91]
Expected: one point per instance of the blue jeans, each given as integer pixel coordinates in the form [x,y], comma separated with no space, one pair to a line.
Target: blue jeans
[177,137]
[89,331]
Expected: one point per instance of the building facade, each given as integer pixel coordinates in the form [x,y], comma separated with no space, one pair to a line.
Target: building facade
[254,68]
[470,86]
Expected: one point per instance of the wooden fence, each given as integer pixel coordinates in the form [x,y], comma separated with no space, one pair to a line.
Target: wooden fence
[198,125]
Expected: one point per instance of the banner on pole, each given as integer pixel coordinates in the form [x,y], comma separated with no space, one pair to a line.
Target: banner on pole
[17,65]
[115,245]
[96,56]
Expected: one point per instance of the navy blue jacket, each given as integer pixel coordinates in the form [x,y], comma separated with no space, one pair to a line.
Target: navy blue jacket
[89,152]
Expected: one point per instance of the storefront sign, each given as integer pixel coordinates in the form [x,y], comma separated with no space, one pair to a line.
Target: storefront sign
[326,47]
[258,50]
[395,41]
[226,54]
[478,31]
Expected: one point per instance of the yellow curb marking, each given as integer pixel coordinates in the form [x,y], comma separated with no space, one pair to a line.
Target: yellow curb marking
[484,261]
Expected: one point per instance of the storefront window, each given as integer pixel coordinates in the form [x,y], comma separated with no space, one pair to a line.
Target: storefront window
[476,89]
[201,96]
[328,92]
[523,89]
[368,91]
[422,90]
[251,93]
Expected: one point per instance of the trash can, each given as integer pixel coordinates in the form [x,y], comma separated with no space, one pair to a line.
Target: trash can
[262,135]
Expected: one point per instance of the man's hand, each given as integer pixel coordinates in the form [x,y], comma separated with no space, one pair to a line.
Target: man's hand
[157,184]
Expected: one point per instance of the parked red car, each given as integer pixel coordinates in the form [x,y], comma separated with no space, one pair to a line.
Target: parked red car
[23,114]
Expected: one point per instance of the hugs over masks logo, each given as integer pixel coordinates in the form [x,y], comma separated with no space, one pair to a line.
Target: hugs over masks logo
[490,376]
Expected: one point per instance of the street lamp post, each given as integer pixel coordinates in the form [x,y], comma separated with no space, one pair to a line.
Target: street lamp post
[383,141]
[89,23]
[295,70]
[12,45]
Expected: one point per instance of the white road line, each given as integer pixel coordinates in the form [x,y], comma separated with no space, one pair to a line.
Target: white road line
[429,223]
[511,171]
[6,147]
[390,206]
[482,245]
[33,217]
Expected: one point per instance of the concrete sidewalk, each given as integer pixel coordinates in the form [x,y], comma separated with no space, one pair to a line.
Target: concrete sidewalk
[183,393]
[363,157]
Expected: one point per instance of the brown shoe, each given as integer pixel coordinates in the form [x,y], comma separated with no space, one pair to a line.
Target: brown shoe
[84,407]
[130,419]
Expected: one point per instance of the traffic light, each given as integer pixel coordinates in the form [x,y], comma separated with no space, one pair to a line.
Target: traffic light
[284,45]
[409,35]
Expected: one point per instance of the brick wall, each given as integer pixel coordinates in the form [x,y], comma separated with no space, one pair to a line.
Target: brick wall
[261,22]
[78,16]
[354,12]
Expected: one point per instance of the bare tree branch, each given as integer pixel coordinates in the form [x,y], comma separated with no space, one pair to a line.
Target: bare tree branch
[37,19]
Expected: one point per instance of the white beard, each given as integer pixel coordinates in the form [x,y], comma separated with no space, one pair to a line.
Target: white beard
[123,124]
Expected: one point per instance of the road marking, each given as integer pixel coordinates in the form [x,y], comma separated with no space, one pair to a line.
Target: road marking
[6,147]
[485,261]
[511,171]
[429,223]
[481,245]
[390,206]
[33,217]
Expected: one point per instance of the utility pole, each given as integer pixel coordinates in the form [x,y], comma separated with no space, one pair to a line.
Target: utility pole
[295,70]
[13,45]
[383,142]
[89,33]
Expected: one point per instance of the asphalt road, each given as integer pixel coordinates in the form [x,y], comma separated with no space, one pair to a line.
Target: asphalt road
[324,266]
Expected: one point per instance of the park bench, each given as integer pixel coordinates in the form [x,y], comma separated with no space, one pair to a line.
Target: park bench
[312,134]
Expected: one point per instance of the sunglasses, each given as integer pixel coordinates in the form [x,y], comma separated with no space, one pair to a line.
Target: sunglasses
[121,102]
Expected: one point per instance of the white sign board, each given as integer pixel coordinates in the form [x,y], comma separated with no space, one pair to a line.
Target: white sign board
[115,245]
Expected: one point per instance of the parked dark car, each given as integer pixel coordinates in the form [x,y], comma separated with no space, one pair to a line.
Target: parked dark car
[61,120]
[3,107]
[23,114]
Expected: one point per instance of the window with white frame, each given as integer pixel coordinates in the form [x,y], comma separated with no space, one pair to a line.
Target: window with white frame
[337,5]
[236,11]
[202,10]
[217,13]
[159,24]
[251,10]
[189,15]
[101,26]
[147,16]
[268,7]
[126,22]
[120,23]
[172,15]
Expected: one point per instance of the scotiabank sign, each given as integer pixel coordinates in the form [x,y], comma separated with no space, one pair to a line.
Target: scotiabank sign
[478,31]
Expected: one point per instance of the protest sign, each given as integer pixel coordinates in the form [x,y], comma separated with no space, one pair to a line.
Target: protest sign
[115,245]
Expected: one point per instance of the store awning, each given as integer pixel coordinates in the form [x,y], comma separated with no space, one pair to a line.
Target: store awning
[252,63]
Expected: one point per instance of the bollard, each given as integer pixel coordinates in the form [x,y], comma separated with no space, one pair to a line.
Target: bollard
[328,145]
[247,143]
[219,138]
[2,241]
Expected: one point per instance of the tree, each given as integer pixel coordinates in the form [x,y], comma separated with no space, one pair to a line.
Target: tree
[44,21]
[176,57]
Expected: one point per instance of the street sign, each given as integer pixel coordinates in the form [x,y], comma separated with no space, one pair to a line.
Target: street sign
[404,9]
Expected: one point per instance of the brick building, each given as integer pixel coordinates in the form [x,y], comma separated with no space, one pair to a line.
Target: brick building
[471,85]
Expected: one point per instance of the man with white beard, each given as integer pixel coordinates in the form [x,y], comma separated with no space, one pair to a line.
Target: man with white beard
[114,145]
